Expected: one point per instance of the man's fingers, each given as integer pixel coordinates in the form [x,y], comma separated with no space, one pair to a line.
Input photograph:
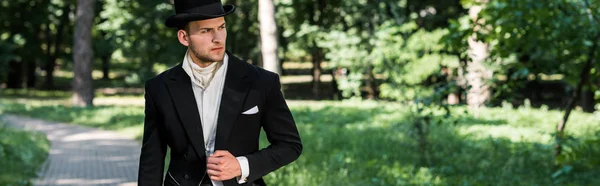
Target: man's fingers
[214,160]
[216,178]
[221,153]
[215,175]
[217,165]
[212,173]
[213,167]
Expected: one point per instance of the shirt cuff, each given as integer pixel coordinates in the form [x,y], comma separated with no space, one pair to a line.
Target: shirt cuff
[243,161]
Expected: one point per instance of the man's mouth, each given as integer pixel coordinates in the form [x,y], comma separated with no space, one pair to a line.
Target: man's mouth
[217,49]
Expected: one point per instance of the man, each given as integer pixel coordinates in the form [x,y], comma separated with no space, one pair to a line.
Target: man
[210,108]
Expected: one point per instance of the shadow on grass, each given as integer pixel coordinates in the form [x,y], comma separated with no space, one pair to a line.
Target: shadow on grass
[34,94]
[470,120]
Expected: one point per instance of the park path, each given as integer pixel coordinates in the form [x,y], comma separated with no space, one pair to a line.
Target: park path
[83,156]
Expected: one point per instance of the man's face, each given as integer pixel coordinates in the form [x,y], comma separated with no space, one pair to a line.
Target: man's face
[205,39]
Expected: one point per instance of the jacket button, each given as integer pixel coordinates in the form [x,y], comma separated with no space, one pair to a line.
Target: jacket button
[185,156]
[186,176]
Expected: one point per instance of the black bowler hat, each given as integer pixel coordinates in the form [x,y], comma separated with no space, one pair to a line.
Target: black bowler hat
[192,10]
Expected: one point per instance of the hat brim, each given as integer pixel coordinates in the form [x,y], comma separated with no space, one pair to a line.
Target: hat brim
[182,19]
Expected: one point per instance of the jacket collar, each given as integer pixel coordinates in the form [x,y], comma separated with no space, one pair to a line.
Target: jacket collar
[238,81]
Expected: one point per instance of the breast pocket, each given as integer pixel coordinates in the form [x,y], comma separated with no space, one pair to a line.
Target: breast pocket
[251,112]
[249,119]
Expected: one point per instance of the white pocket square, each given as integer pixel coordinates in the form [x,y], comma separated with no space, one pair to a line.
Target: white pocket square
[253,110]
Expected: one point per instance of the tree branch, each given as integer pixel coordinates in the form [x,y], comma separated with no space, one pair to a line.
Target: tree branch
[588,7]
[585,73]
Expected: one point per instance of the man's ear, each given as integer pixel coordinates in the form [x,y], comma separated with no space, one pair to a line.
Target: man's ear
[182,37]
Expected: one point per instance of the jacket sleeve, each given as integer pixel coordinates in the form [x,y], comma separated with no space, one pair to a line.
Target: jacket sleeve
[154,148]
[282,133]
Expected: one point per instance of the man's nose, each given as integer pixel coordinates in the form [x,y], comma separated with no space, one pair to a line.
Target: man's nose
[218,37]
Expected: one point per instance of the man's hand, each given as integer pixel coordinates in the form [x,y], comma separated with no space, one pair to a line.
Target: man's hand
[222,165]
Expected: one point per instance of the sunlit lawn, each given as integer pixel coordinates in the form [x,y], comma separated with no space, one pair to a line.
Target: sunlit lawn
[375,143]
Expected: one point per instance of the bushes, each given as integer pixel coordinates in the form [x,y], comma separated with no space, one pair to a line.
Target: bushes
[22,154]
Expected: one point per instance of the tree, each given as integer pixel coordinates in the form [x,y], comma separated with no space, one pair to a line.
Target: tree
[268,35]
[25,34]
[304,22]
[53,55]
[83,90]
[477,74]
[532,37]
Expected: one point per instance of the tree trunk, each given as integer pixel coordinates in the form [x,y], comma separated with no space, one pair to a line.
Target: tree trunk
[105,67]
[587,100]
[479,92]
[316,72]
[64,20]
[421,126]
[30,72]
[336,93]
[283,44]
[15,75]
[460,79]
[268,35]
[584,75]
[83,91]
[371,87]
[49,67]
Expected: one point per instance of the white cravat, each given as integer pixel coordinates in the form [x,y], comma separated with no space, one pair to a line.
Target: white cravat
[203,76]
[207,85]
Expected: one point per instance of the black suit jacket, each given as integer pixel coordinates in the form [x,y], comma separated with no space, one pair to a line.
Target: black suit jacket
[172,118]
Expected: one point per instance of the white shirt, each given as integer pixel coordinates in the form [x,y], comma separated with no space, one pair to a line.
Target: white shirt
[208,89]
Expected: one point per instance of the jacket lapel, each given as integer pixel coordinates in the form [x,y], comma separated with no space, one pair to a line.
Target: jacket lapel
[180,88]
[235,90]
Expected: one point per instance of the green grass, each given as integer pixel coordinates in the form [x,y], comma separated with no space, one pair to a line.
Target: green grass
[22,154]
[125,119]
[372,143]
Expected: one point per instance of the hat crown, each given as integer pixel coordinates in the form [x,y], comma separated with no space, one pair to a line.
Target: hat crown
[198,6]
[190,10]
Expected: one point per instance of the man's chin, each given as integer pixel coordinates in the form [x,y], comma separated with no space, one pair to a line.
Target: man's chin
[219,57]
[215,58]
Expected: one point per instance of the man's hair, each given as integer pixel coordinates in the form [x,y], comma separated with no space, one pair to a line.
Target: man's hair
[185,27]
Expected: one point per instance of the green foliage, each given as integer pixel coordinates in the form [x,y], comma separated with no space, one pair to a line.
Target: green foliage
[455,41]
[404,55]
[138,32]
[243,34]
[400,45]
[578,154]
[6,56]
[21,155]
[411,63]
[529,38]
[345,51]
[31,38]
